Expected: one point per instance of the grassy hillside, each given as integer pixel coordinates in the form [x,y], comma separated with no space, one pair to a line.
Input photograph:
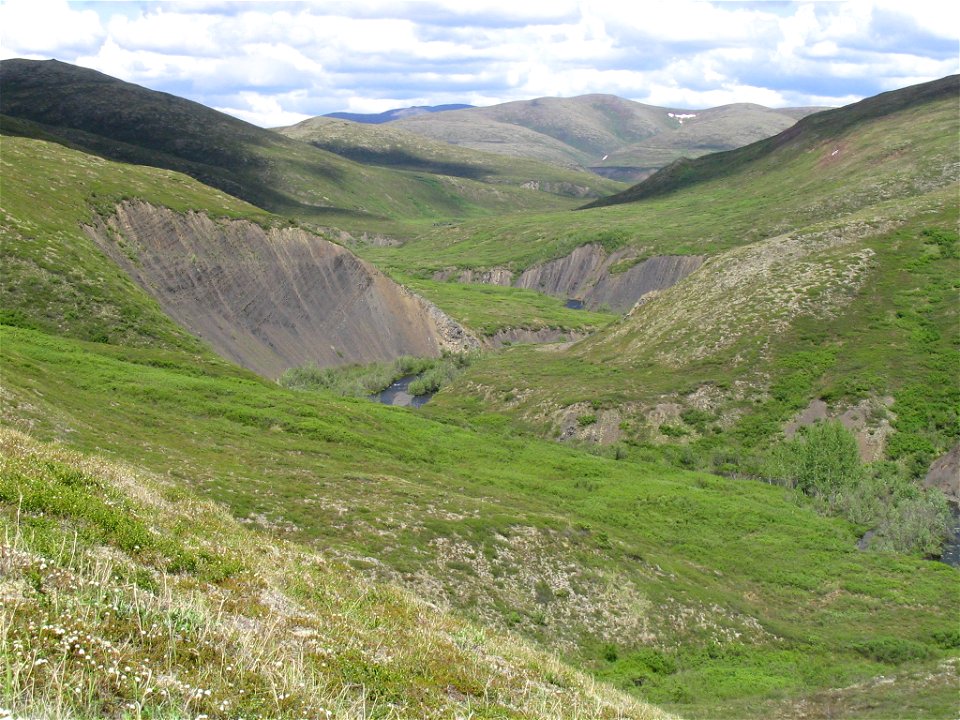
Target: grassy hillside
[899,146]
[126,596]
[126,122]
[831,278]
[806,136]
[849,312]
[61,282]
[55,278]
[488,309]
[711,596]
[388,146]
[602,131]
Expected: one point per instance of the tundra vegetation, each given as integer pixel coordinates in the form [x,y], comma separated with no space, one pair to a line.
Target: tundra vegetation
[176,524]
[364,380]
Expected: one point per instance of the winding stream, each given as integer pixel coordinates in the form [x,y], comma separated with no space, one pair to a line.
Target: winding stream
[951,548]
[398,396]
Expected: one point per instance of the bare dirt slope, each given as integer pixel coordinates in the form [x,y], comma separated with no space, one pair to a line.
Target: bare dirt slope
[271,299]
[589,274]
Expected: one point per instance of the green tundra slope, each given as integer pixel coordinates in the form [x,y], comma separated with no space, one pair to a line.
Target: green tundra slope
[102,115]
[94,301]
[829,290]
[896,145]
[165,606]
[608,134]
[708,596]
[806,136]
[861,315]
[388,146]
[711,597]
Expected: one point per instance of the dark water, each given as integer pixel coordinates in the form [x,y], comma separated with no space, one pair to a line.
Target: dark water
[949,553]
[575,304]
[951,548]
[397,394]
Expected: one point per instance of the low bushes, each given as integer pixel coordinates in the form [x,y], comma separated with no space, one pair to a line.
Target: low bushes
[823,462]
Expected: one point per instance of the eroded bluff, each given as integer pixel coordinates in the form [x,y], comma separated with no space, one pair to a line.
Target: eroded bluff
[616,281]
[272,299]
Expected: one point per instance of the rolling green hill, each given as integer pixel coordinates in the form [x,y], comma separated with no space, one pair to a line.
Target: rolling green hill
[825,275]
[808,135]
[901,147]
[713,597]
[166,606]
[117,120]
[707,596]
[184,259]
[388,146]
[828,290]
[612,136]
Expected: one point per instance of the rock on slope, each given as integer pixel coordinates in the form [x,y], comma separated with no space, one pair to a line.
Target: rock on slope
[271,299]
[589,274]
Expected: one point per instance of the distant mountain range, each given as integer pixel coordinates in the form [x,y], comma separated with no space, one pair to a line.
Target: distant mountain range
[396,113]
[617,138]
[610,135]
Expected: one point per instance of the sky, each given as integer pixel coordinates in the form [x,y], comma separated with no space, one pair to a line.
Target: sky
[276,63]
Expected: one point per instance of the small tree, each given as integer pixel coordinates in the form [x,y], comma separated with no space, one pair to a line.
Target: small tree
[824,460]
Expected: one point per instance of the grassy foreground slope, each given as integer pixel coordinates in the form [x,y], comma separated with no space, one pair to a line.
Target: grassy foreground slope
[709,596]
[102,115]
[894,146]
[126,596]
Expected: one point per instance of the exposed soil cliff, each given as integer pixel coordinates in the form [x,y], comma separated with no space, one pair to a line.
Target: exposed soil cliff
[589,274]
[944,473]
[518,336]
[272,299]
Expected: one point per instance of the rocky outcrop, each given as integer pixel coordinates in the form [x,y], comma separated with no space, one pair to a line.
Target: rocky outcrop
[944,474]
[452,336]
[620,291]
[519,336]
[570,276]
[566,189]
[867,420]
[272,299]
[589,274]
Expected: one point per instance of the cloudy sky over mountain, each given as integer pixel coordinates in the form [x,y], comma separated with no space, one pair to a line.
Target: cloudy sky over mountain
[275,63]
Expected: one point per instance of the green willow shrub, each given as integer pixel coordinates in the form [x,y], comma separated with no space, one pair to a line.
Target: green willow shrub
[823,459]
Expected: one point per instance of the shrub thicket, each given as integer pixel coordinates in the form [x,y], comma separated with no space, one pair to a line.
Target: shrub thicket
[363,380]
[823,461]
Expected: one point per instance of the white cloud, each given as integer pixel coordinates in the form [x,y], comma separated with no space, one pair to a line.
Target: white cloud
[166,32]
[272,60]
[937,18]
[265,111]
[726,94]
[684,20]
[146,66]
[46,28]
